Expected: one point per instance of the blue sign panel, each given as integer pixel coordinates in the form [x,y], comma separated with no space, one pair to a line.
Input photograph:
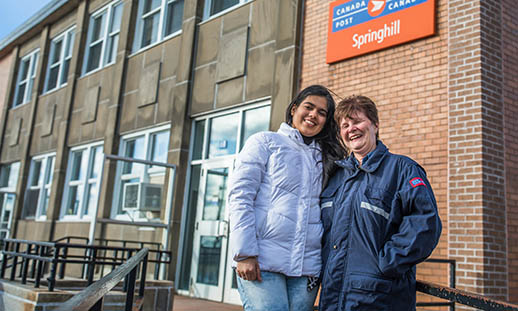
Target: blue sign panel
[357,12]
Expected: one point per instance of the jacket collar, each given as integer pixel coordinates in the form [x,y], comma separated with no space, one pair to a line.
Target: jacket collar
[370,163]
[295,135]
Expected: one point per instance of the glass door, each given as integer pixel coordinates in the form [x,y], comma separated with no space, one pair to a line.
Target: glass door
[6,208]
[211,273]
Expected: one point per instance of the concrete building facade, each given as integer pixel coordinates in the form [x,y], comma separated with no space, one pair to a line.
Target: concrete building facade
[187,81]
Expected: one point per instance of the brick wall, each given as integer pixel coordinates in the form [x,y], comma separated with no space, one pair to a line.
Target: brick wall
[510,100]
[476,188]
[409,85]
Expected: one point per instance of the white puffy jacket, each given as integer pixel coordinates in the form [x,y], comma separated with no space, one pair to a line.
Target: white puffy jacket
[274,203]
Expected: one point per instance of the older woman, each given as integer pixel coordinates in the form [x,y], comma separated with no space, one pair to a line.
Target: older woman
[380,219]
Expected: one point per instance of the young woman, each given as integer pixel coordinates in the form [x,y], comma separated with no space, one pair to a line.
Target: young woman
[274,207]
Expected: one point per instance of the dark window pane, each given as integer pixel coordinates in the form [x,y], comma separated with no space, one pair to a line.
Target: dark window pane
[174,17]
[53,78]
[208,264]
[97,28]
[150,29]
[221,5]
[64,74]
[199,130]
[150,5]
[93,57]
[20,94]
[56,53]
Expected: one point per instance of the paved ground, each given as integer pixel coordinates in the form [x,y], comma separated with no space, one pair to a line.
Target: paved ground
[182,303]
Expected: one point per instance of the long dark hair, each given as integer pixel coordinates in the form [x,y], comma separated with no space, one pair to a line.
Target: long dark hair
[332,150]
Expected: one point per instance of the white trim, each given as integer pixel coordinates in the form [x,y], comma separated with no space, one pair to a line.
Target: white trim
[44,183]
[67,38]
[32,58]
[206,10]
[106,13]
[375,209]
[84,183]
[160,35]
[327,204]
[143,175]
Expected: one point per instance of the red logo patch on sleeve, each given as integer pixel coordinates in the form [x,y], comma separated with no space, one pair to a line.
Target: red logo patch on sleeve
[417,182]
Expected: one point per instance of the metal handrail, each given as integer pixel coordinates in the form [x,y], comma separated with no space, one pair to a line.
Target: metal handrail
[463,297]
[19,253]
[93,294]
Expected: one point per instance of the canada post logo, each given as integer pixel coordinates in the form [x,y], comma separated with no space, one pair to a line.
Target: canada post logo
[361,26]
[358,12]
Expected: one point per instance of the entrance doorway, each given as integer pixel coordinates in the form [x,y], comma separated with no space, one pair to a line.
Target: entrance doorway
[211,275]
[205,257]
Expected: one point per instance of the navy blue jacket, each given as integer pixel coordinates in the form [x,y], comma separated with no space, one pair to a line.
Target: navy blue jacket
[380,220]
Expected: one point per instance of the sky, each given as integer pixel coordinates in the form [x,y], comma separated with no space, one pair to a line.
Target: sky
[13,13]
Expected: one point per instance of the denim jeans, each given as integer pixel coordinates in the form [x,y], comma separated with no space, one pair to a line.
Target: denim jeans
[276,292]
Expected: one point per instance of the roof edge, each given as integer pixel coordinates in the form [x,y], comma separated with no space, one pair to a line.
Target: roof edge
[33,21]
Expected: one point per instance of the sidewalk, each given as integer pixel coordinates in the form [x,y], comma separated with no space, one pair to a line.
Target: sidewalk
[183,303]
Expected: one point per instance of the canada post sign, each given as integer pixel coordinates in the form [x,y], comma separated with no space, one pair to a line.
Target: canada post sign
[357,27]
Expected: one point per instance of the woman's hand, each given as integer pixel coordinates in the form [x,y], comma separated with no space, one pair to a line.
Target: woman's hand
[248,269]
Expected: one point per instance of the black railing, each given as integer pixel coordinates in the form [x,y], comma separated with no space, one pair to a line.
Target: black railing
[42,255]
[91,298]
[450,304]
[463,297]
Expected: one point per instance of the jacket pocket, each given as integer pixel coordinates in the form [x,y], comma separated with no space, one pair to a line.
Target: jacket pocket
[368,292]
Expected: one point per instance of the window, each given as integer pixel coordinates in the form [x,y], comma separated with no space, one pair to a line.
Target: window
[84,170]
[213,7]
[25,80]
[59,60]
[157,19]
[8,181]
[38,187]
[220,135]
[103,37]
[140,186]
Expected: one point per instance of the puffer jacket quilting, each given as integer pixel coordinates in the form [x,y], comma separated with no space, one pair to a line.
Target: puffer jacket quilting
[274,203]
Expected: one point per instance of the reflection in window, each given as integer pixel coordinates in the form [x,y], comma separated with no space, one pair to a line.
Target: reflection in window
[8,181]
[59,60]
[83,181]
[254,121]
[199,130]
[103,36]
[157,19]
[213,7]
[141,186]
[208,264]
[37,195]
[223,135]
[215,194]
[25,79]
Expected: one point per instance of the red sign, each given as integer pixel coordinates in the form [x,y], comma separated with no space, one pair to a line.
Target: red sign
[357,27]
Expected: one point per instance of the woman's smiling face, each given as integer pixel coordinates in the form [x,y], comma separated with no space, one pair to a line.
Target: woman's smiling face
[310,116]
[358,134]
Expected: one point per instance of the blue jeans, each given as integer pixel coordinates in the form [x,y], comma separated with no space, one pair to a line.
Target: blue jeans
[276,292]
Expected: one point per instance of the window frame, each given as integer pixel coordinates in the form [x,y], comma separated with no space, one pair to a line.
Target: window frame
[46,174]
[84,183]
[161,10]
[32,58]
[67,38]
[144,174]
[107,13]
[208,3]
